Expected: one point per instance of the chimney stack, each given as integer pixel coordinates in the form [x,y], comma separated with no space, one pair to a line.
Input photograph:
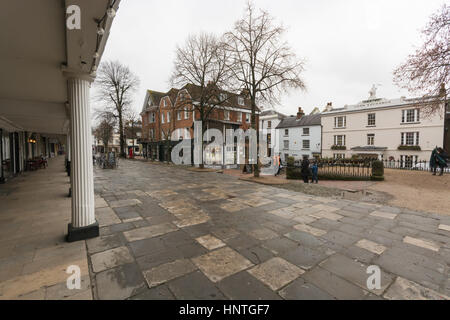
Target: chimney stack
[300,113]
[329,107]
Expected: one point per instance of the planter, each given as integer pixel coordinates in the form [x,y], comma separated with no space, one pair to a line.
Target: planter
[411,148]
[338,148]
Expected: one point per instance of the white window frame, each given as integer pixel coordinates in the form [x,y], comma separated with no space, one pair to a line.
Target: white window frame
[340,122]
[241,101]
[407,137]
[370,139]
[239,116]
[308,147]
[226,115]
[178,115]
[341,142]
[285,144]
[168,117]
[371,122]
[186,114]
[248,117]
[307,132]
[286,132]
[162,117]
[410,115]
[223,97]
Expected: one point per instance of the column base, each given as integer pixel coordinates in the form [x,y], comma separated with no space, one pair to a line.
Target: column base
[83,233]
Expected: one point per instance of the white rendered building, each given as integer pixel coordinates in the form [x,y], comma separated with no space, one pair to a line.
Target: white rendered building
[268,121]
[388,129]
[300,136]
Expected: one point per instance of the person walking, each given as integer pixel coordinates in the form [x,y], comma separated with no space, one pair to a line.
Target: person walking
[441,159]
[433,161]
[305,170]
[277,163]
[315,172]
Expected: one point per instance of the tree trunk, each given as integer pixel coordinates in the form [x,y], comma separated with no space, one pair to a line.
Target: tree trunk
[122,142]
[202,164]
[255,127]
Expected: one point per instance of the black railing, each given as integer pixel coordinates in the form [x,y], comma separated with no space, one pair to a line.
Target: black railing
[338,169]
[411,164]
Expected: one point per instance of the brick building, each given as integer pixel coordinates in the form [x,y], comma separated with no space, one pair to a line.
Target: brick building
[169,117]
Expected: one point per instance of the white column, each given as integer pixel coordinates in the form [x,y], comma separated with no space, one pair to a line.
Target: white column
[82,178]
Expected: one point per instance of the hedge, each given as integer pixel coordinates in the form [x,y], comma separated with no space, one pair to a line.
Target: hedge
[377,171]
[292,173]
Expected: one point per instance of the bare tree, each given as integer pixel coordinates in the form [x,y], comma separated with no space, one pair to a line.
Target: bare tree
[133,124]
[427,71]
[262,63]
[202,65]
[116,84]
[105,129]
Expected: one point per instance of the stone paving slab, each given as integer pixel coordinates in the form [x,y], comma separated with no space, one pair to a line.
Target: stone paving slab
[276,272]
[209,236]
[149,232]
[111,258]
[120,283]
[221,263]
[168,271]
[403,289]
[301,290]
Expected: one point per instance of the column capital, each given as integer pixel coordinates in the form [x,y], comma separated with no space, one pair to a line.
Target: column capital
[71,73]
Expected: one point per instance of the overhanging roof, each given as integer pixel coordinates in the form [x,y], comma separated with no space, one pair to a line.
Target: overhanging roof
[35,46]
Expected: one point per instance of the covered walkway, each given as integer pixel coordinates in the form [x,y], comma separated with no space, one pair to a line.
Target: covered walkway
[34,255]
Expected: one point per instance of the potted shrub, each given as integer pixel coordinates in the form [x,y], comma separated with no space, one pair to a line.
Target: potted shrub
[377,171]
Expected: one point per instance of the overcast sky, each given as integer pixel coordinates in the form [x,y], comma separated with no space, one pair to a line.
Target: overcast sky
[349,45]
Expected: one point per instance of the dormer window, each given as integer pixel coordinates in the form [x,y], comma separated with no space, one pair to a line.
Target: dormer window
[241,101]
[223,97]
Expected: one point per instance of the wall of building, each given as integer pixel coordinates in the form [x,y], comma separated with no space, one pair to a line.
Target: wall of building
[157,147]
[296,138]
[270,130]
[387,130]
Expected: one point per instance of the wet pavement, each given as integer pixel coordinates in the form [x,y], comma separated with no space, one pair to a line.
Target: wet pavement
[171,233]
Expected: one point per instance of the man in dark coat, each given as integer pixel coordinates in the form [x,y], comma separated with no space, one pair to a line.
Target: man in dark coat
[305,170]
[433,161]
[441,159]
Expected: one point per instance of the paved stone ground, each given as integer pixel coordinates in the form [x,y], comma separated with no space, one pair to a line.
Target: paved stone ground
[34,255]
[170,233]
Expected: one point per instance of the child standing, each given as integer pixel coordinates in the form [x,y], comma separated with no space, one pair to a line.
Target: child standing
[315,172]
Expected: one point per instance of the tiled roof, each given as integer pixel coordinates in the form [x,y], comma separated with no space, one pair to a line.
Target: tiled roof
[195,93]
[291,122]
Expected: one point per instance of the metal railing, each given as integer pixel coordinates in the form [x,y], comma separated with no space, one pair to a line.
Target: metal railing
[411,164]
[339,168]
